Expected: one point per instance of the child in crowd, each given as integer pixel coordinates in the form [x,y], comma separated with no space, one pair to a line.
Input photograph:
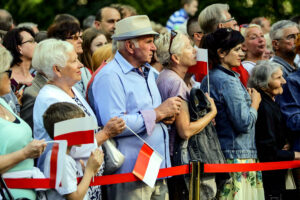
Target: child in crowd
[69,190]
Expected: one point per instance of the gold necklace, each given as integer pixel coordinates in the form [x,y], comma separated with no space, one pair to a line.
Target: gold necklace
[4,113]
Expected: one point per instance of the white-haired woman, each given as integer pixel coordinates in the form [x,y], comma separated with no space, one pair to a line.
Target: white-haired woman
[177,54]
[17,148]
[254,46]
[271,133]
[59,62]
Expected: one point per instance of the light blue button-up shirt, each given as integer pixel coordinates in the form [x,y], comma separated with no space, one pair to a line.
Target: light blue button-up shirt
[119,91]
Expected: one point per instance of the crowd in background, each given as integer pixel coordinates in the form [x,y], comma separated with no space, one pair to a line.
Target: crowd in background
[131,74]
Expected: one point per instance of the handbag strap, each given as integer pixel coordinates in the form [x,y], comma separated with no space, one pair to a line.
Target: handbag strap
[4,188]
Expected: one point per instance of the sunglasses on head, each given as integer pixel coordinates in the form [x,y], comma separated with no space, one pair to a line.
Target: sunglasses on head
[173,35]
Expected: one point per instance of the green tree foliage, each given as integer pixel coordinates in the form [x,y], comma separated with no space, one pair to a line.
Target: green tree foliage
[43,11]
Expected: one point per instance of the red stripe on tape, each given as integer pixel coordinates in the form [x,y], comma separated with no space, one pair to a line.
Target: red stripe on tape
[219,168]
[172,171]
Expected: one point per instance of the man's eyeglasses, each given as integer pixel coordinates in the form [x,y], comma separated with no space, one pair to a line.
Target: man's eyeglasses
[173,35]
[228,20]
[30,41]
[291,36]
[74,37]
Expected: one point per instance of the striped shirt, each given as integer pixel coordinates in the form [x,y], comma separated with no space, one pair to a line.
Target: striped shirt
[176,19]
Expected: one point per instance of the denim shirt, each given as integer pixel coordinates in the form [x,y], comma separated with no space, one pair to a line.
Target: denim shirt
[289,103]
[286,67]
[235,121]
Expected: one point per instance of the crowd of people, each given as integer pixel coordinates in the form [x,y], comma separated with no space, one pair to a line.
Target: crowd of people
[129,74]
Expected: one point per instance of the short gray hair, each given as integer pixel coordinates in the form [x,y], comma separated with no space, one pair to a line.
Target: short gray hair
[27,25]
[49,53]
[120,44]
[211,16]
[276,31]
[5,59]
[163,42]
[261,74]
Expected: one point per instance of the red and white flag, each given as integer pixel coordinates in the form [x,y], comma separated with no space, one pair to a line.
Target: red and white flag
[57,162]
[76,131]
[147,165]
[201,68]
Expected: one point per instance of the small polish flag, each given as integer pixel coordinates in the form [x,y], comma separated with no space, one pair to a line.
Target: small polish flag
[201,68]
[57,162]
[76,131]
[147,165]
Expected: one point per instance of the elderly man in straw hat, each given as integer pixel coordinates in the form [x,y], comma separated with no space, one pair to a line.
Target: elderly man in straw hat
[126,88]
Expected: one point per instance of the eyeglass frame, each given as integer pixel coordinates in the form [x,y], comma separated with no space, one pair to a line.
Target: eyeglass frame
[74,37]
[228,20]
[289,37]
[32,40]
[173,35]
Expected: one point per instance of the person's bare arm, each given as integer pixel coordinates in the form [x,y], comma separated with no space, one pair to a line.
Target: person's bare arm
[185,128]
[92,166]
[33,150]
[112,128]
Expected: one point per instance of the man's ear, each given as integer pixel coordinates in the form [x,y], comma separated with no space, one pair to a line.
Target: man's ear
[129,46]
[198,36]
[220,25]
[275,44]
[97,24]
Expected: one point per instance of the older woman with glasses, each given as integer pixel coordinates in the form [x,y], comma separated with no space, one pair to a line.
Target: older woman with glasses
[177,54]
[17,148]
[70,31]
[237,112]
[59,62]
[271,131]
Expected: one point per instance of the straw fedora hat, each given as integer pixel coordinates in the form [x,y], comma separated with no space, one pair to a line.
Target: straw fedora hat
[132,27]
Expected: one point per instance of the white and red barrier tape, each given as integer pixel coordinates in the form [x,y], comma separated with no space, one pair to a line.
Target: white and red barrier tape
[27,183]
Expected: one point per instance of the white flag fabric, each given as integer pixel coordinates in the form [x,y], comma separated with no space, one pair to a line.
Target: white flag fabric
[147,165]
[76,131]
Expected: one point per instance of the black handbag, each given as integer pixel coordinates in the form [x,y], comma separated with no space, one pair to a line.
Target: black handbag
[204,146]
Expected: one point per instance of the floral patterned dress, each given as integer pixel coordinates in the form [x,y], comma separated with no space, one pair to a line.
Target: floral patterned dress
[243,185]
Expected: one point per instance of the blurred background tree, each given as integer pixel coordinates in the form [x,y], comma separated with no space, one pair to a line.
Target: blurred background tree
[42,12]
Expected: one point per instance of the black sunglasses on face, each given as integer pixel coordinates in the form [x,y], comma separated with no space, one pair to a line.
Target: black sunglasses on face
[8,73]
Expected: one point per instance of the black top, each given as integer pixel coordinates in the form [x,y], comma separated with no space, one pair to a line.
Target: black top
[271,133]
